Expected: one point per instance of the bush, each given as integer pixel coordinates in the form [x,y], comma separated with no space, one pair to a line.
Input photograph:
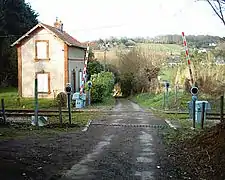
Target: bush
[62,99]
[94,67]
[102,86]
[126,80]
[139,69]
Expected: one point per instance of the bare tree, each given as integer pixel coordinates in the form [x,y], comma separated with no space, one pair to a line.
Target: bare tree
[139,69]
[218,7]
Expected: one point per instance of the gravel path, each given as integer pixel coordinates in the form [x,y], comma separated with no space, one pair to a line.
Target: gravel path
[123,152]
[101,152]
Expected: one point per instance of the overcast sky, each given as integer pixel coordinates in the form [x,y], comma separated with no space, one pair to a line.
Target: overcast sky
[94,19]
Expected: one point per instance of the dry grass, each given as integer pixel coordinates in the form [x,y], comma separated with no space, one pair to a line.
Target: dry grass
[112,54]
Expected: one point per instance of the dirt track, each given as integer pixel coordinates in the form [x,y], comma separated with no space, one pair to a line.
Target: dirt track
[102,152]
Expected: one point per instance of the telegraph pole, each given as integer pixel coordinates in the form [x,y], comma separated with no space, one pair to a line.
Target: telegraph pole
[105,51]
[105,58]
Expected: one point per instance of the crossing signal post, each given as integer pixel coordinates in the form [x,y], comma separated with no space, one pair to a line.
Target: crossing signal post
[68,90]
[194,92]
[89,92]
[166,95]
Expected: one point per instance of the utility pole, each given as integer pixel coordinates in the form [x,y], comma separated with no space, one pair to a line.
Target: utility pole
[105,58]
[36,101]
[105,45]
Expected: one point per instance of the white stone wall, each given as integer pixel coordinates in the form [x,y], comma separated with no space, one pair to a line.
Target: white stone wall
[55,66]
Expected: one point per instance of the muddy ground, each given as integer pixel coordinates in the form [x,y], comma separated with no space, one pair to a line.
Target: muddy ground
[124,151]
[43,158]
[201,157]
[118,152]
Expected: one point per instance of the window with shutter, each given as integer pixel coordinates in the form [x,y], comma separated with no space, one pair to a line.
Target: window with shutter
[43,82]
[41,50]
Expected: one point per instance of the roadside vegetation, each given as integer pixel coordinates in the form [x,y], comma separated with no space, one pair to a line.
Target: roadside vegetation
[23,128]
[141,73]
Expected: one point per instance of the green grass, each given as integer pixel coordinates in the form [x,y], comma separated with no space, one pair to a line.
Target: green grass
[156,101]
[149,100]
[107,103]
[169,74]
[184,131]
[166,48]
[13,101]
[79,119]
[20,130]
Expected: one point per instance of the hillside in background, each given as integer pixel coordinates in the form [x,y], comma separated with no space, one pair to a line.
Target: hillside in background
[199,41]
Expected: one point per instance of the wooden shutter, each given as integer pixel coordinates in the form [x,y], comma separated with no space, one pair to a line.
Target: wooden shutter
[42,50]
[43,85]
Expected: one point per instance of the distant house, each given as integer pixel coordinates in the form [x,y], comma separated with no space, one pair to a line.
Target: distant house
[202,50]
[212,45]
[174,61]
[219,60]
[51,55]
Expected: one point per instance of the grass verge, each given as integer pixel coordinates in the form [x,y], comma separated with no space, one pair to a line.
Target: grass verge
[25,129]
[181,121]
[107,103]
[175,102]
[13,101]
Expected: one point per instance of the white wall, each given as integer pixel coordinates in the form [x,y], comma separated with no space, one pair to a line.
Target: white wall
[76,62]
[75,53]
[55,66]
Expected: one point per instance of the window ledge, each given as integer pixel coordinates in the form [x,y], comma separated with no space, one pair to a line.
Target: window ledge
[36,59]
[44,92]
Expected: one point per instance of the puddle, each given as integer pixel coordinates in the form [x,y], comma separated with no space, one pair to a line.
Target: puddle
[144,160]
[145,137]
[147,154]
[145,175]
[117,120]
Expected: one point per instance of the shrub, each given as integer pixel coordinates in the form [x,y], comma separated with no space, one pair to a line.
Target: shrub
[62,98]
[102,86]
[139,69]
[94,67]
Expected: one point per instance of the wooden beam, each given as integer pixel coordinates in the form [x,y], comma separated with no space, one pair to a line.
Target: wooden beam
[19,56]
[49,81]
[66,72]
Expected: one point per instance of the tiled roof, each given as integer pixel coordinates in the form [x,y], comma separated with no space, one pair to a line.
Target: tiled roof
[60,34]
[64,36]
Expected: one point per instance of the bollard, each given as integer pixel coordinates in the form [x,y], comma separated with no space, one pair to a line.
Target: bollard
[60,112]
[68,90]
[69,108]
[36,101]
[194,113]
[221,108]
[3,111]
[203,115]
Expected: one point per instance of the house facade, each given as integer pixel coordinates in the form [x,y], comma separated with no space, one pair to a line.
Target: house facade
[51,55]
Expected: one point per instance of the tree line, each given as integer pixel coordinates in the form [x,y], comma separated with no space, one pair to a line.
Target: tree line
[16,18]
[194,41]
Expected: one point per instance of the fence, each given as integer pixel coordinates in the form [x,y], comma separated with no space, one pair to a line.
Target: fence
[216,115]
[55,116]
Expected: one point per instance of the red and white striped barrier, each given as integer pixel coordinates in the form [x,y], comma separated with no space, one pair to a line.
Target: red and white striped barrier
[84,71]
[188,58]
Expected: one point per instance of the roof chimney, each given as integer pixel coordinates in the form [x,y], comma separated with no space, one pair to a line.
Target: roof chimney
[61,26]
[57,23]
